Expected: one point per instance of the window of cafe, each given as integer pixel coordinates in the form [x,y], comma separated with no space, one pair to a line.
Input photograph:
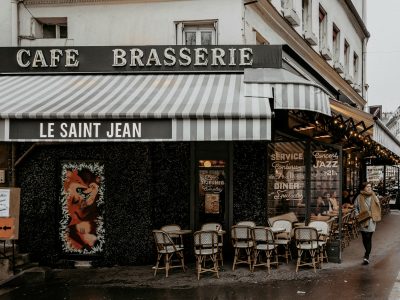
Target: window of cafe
[351,173]
[286,179]
[325,180]
[288,185]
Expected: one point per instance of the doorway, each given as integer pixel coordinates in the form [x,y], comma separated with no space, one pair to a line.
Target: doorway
[212,184]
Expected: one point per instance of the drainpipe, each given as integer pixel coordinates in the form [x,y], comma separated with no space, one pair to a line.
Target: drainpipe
[14,23]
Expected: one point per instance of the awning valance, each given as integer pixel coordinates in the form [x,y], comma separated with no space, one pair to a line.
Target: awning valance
[378,131]
[200,107]
[289,90]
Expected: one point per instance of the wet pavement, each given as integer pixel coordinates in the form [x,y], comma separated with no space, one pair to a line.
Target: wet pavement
[347,280]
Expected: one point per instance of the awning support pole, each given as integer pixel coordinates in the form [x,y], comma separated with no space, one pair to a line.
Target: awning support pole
[13,175]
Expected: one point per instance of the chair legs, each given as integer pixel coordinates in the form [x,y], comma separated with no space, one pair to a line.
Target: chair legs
[269,254]
[287,253]
[237,260]
[302,262]
[201,267]
[168,262]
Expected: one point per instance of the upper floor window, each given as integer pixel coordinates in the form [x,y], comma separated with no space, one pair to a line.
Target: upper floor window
[323,20]
[196,33]
[346,54]
[336,42]
[306,15]
[355,67]
[50,28]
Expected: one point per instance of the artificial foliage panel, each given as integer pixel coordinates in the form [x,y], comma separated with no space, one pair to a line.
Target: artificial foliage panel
[250,182]
[146,186]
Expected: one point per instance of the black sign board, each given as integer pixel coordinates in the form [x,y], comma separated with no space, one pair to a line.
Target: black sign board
[121,129]
[138,59]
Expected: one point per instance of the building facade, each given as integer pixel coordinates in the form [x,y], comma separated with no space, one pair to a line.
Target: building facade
[118,117]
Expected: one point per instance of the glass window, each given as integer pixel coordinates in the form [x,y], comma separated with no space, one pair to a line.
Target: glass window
[206,38]
[197,33]
[336,42]
[63,31]
[190,38]
[355,67]
[306,16]
[322,27]
[346,50]
[325,180]
[50,28]
[286,179]
[49,31]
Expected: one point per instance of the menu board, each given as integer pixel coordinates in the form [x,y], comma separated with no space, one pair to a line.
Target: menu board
[286,180]
[4,202]
[374,174]
[212,185]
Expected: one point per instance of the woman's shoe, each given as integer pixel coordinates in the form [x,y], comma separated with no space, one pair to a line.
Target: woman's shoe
[365,261]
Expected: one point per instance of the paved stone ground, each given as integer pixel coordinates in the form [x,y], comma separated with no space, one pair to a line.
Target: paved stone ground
[385,239]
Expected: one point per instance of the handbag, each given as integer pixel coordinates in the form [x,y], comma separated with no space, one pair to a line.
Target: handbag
[363,216]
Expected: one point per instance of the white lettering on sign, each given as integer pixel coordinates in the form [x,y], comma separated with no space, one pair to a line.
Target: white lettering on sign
[184,57]
[79,130]
[137,57]
[47,132]
[36,59]
[124,130]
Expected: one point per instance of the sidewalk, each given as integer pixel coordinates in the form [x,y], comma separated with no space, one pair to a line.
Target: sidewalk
[385,239]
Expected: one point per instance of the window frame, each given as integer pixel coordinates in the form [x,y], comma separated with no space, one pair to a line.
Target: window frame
[335,42]
[306,6]
[323,27]
[346,56]
[38,24]
[197,26]
[355,67]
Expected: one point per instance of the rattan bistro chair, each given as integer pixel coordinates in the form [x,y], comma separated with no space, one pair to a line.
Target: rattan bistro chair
[264,241]
[242,240]
[206,249]
[247,223]
[306,241]
[178,240]
[323,236]
[216,227]
[284,238]
[166,248]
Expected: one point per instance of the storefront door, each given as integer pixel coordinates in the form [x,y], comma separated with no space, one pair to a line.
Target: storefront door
[212,184]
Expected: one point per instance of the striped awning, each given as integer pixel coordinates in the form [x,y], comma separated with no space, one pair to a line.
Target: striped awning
[383,136]
[290,91]
[378,131]
[201,107]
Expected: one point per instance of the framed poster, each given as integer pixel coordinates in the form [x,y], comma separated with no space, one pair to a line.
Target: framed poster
[82,197]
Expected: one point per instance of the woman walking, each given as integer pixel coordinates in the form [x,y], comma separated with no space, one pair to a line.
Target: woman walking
[367,201]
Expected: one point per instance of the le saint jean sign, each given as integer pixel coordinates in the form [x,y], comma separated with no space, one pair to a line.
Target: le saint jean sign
[138,59]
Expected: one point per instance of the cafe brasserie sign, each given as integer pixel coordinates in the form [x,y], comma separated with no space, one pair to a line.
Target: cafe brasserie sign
[138,59]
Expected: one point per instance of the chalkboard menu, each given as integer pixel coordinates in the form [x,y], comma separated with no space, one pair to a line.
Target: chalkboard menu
[211,186]
[286,179]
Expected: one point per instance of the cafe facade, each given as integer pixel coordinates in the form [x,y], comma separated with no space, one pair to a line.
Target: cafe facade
[109,143]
